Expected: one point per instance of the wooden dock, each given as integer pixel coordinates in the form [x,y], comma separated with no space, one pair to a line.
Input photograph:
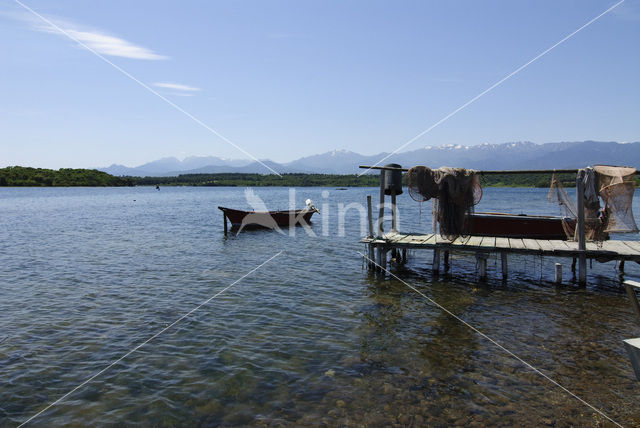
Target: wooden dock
[483,246]
[606,250]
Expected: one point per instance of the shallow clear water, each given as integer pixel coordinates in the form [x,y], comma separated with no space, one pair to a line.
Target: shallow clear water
[311,338]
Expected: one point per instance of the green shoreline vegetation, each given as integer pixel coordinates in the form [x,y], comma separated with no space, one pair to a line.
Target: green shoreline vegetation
[18,176]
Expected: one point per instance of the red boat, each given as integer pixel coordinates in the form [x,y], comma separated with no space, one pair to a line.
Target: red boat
[519,226]
[267,219]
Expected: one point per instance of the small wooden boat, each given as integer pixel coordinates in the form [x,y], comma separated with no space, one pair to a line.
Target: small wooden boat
[519,226]
[267,219]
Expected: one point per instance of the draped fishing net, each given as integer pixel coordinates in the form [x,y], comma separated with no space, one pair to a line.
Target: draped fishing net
[615,186]
[455,191]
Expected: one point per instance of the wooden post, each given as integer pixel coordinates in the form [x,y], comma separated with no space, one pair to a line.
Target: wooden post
[394,212]
[383,255]
[372,257]
[558,277]
[381,211]
[482,263]
[370,216]
[446,261]
[378,251]
[404,256]
[582,259]
[621,266]
[505,267]
[436,260]
[224,220]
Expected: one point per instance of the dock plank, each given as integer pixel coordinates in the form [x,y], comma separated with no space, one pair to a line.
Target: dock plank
[624,248]
[474,241]
[396,237]
[431,240]
[488,242]
[516,244]
[460,240]
[532,245]
[503,243]
[634,245]
[545,245]
[619,247]
[559,244]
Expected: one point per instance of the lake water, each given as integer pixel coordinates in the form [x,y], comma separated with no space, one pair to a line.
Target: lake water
[310,338]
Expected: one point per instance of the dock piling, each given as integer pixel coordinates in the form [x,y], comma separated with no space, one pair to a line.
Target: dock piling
[558,276]
[446,261]
[436,261]
[582,259]
[481,258]
[394,212]
[381,208]
[370,216]
[383,258]
[505,268]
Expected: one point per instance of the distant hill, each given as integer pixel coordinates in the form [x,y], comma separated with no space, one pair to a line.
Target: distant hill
[41,177]
[172,166]
[515,155]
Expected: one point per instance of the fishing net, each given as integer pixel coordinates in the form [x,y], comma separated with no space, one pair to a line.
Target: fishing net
[454,191]
[616,186]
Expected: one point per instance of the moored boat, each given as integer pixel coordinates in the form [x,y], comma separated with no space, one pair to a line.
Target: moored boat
[268,219]
[519,226]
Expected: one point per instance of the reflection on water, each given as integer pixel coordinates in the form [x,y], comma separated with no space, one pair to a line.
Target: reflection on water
[309,339]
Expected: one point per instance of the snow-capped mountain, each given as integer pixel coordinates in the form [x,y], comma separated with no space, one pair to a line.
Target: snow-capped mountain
[514,155]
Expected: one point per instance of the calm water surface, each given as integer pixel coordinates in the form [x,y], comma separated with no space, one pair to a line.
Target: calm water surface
[309,339]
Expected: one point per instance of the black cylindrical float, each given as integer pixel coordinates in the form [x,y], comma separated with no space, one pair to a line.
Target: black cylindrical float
[392,179]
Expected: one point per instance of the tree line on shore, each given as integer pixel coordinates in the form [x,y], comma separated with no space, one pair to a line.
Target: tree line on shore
[18,176]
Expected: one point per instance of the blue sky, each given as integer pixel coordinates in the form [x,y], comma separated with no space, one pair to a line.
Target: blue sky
[286,79]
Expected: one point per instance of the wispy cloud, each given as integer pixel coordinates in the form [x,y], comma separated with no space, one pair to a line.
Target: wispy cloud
[95,39]
[176,86]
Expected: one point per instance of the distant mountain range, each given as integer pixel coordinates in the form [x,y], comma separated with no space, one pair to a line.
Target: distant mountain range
[518,155]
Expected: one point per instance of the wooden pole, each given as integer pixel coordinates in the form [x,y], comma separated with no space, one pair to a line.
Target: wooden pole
[370,216]
[372,257]
[446,261]
[404,256]
[381,211]
[558,276]
[482,262]
[505,267]
[436,260]
[383,253]
[394,212]
[582,259]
